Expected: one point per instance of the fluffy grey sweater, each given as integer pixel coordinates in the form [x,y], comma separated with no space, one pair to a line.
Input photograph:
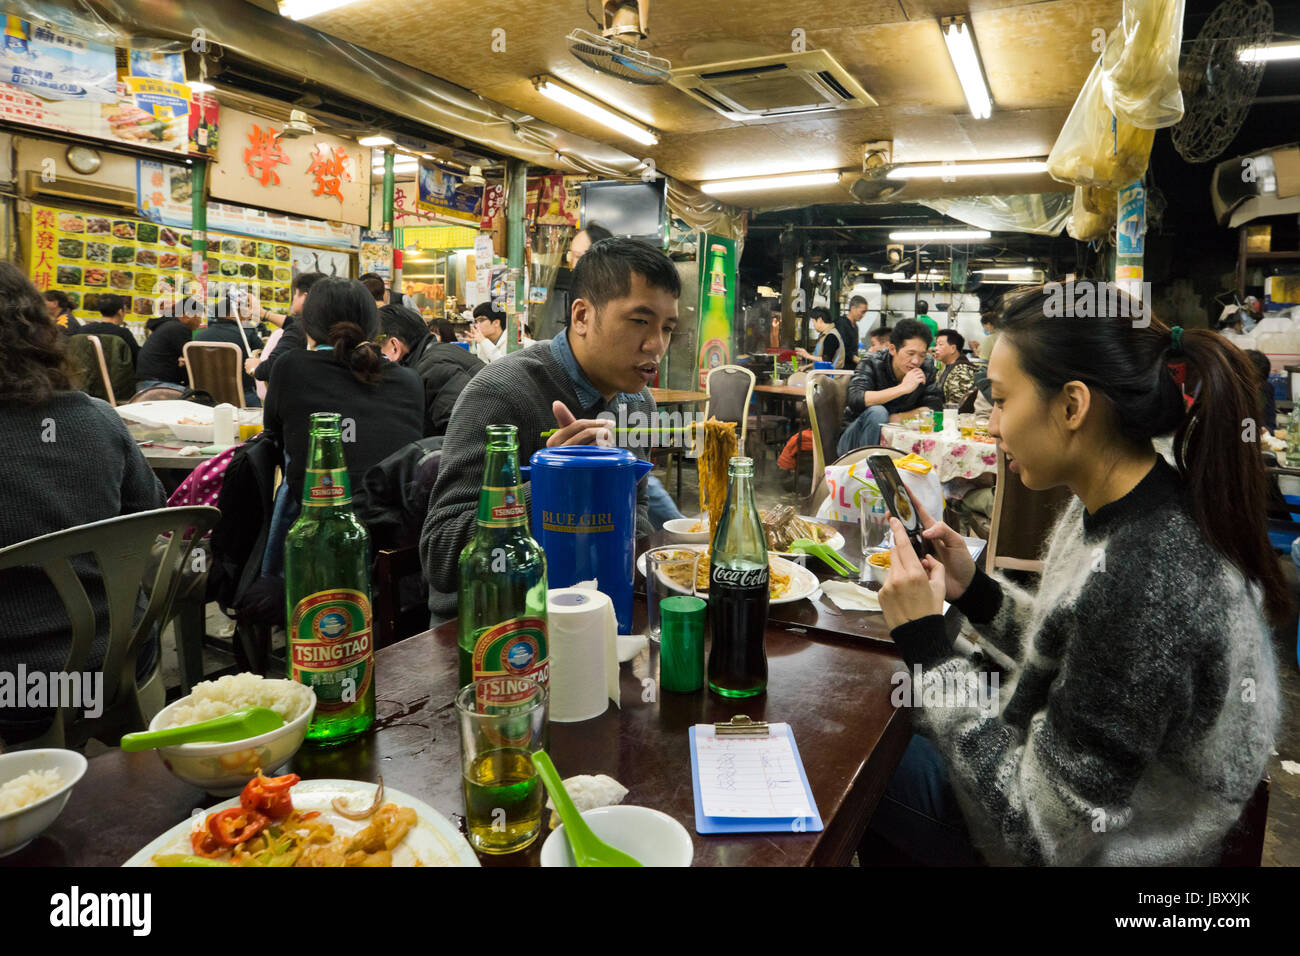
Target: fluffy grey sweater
[1143,707]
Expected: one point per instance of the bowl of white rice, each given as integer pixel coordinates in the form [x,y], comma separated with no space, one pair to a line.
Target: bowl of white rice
[223,769]
[34,788]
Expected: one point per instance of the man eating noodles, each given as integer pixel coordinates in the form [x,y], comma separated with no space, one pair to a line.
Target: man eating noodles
[623,314]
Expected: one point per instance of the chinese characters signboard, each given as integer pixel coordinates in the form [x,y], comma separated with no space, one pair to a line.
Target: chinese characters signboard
[318,176]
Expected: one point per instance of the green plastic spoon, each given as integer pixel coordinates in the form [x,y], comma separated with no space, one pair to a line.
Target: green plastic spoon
[588,849]
[237,725]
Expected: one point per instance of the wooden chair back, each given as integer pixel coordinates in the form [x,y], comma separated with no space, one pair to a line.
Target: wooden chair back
[216,368]
[730,388]
[1022,520]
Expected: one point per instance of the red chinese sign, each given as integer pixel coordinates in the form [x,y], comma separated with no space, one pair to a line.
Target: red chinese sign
[330,167]
[493,199]
[264,155]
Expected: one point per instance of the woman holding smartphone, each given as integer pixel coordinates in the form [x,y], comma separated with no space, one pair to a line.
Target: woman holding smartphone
[1142,708]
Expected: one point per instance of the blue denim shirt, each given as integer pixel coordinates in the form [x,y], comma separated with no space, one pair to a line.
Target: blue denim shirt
[590,395]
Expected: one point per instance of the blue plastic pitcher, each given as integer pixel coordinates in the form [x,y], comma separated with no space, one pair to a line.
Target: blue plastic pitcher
[584,517]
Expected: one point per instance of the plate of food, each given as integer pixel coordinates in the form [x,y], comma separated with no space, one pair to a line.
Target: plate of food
[787,582]
[282,821]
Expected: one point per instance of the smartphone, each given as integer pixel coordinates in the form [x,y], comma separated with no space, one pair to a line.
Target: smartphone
[897,501]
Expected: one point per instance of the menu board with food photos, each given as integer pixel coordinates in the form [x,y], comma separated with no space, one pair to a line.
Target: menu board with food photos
[88,254]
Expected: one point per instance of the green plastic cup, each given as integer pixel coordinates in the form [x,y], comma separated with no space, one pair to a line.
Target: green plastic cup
[681,644]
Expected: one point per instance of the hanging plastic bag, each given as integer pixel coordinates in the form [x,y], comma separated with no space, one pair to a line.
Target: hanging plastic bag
[1095,148]
[1091,224]
[1139,67]
[1040,213]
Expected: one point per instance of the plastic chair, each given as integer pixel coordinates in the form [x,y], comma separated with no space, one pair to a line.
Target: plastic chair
[216,368]
[730,388]
[121,548]
[1022,520]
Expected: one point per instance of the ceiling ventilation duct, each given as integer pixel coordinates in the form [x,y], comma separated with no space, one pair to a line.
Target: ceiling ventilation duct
[765,87]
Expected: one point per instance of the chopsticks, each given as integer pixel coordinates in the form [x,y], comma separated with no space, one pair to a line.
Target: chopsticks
[643,428]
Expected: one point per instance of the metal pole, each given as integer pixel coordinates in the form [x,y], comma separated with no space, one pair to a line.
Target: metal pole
[516,194]
[395,274]
[199,227]
[835,285]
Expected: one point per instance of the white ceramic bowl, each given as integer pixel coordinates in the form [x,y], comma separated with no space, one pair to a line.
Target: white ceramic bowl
[224,769]
[679,528]
[877,573]
[654,838]
[19,827]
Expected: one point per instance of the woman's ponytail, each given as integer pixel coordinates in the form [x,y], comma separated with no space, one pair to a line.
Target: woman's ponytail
[351,349]
[1218,453]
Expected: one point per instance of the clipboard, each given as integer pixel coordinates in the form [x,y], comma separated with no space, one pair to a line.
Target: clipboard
[744,728]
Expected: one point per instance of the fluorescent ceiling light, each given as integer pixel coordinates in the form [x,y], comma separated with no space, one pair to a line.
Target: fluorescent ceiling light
[1007,167]
[939,235]
[198,86]
[1024,273]
[592,110]
[961,49]
[899,277]
[374,141]
[770,182]
[302,9]
[1274,51]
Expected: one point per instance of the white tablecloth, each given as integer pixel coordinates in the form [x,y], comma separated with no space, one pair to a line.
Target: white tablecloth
[954,456]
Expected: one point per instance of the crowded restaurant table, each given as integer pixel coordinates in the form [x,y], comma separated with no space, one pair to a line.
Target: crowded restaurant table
[830,678]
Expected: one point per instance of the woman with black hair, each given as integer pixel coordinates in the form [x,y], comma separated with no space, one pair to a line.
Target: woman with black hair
[69,460]
[341,370]
[1142,706]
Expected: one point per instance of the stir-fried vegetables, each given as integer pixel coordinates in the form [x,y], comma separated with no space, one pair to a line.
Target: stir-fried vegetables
[266,830]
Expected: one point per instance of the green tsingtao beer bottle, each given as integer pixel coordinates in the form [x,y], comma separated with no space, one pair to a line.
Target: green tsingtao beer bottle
[327,589]
[502,578]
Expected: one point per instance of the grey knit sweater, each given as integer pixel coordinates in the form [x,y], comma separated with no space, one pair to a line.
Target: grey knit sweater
[516,390]
[1143,707]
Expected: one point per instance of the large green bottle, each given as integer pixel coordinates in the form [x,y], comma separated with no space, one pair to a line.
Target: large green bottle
[327,589]
[502,607]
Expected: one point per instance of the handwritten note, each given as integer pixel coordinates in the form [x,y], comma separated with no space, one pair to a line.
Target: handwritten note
[750,776]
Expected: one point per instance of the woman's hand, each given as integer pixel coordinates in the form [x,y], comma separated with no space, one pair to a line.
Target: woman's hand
[913,589]
[950,548]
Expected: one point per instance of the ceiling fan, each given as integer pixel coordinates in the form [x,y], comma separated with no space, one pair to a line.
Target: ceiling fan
[624,25]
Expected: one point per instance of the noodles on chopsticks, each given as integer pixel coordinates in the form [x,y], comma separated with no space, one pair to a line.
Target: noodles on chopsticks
[719,447]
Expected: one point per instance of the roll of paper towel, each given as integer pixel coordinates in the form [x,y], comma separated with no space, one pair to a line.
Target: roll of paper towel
[581,638]
[223,424]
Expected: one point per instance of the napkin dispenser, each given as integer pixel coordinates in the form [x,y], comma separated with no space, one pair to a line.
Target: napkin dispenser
[584,517]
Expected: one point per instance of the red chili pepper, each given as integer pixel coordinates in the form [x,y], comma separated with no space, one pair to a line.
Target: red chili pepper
[235,825]
[269,795]
[203,843]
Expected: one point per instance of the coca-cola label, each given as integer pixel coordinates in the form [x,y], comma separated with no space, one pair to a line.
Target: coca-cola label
[739,577]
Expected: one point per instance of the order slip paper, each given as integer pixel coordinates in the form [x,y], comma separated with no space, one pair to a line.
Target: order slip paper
[750,776]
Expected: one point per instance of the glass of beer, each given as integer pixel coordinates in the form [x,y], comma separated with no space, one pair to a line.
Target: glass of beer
[502,724]
[966,424]
[669,572]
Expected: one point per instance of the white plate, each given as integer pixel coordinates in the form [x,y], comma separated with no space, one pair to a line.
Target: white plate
[835,542]
[803,584]
[432,842]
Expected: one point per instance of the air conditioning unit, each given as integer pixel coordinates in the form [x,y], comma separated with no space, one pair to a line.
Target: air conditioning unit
[788,84]
[79,191]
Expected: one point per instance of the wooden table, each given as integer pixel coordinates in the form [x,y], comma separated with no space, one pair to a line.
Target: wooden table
[833,689]
[677,396]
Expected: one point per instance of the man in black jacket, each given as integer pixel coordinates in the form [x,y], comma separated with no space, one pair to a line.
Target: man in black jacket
[444,368]
[113,309]
[889,385]
[291,334]
[160,359]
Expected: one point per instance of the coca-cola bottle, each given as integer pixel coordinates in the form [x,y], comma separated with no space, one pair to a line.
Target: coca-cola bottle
[738,591]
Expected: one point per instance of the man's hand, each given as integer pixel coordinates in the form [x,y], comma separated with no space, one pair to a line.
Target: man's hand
[578,431]
[913,380]
[474,336]
[250,363]
[804,354]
